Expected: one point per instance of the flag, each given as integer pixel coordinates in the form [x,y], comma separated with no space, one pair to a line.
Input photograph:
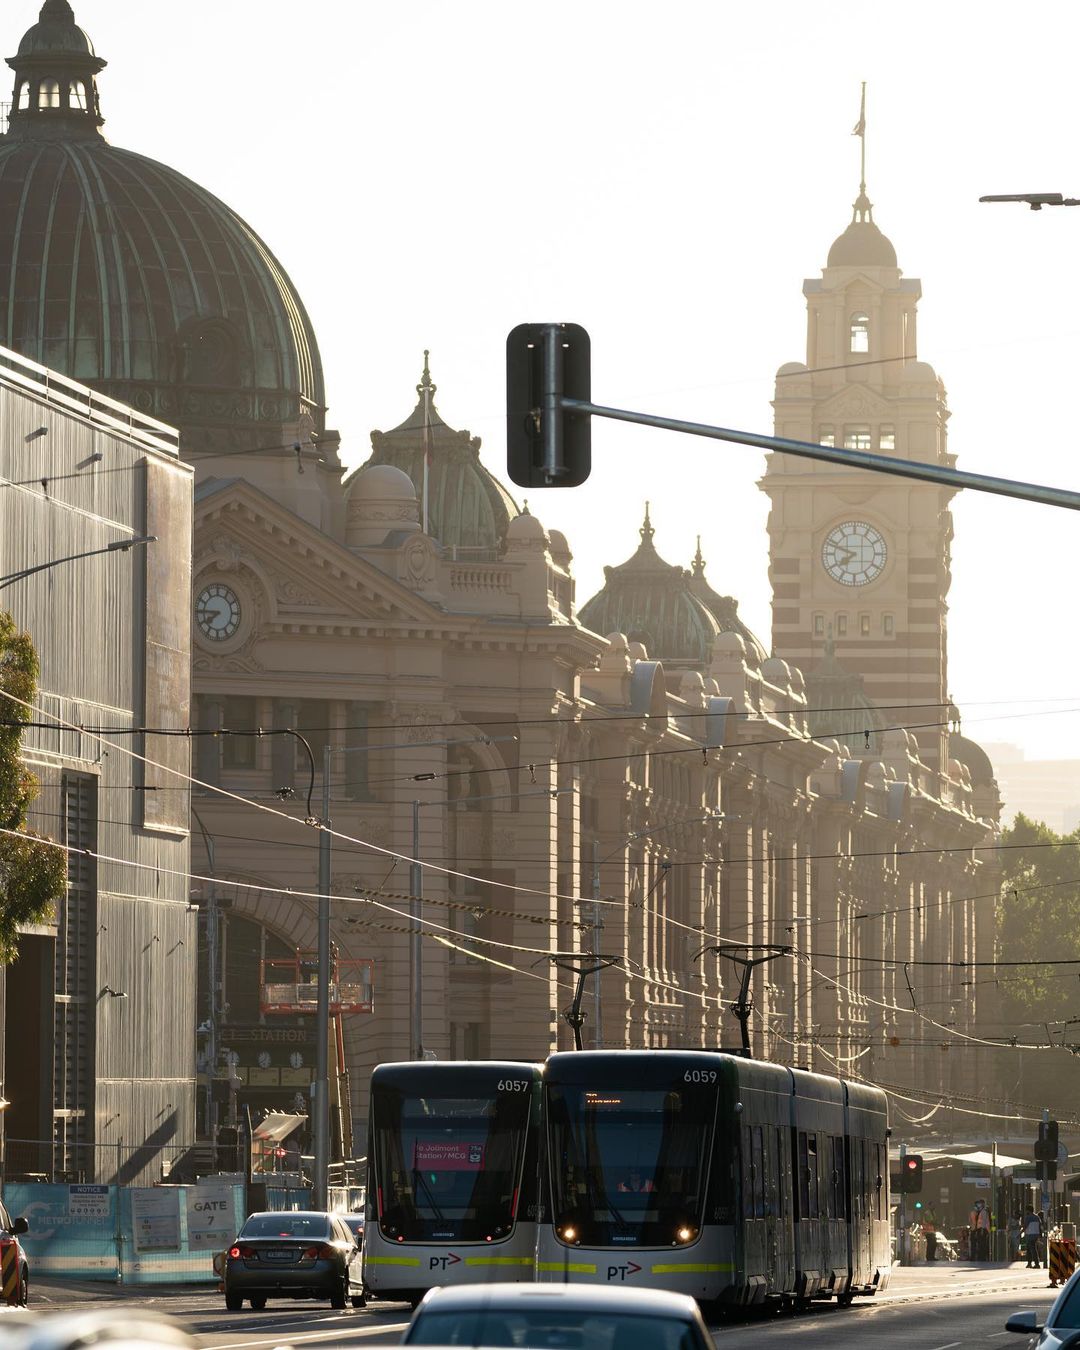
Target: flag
[859,129]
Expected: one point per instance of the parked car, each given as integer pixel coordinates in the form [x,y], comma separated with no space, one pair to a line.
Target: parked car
[129,1329]
[1061,1325]
[10,1231]
[558,1315]
[355,1224]
[301,1254]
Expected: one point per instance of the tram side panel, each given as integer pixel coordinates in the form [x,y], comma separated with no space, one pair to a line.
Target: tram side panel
[817,1145]
[866,1129]
[765,1244]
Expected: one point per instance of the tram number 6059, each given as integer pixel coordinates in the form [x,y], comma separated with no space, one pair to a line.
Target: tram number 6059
[514,1085]
[699,1076]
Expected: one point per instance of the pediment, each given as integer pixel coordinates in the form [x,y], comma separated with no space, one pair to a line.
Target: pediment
[304,577]
[855,402]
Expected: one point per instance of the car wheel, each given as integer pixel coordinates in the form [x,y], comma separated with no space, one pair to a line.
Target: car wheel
[359,1301]
[338,1297]
[24,1292]
[258,1302]
[234,1302]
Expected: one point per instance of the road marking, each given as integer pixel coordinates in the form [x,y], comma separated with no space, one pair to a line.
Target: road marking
[949,1345]
[338,1333]
[995,1334]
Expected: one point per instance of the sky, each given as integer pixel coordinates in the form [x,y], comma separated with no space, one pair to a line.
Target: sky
[433,173]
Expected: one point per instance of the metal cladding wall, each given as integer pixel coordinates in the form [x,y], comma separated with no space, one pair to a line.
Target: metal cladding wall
[78,473]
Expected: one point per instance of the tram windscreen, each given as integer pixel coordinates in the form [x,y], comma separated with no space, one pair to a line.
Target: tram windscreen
[629,1165]
[449,1167]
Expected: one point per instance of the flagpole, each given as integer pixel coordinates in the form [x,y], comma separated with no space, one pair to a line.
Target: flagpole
[862,141]
[426,386]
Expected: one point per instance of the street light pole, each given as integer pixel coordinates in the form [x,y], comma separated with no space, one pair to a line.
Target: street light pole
[117,546]
[416,942]
[320,1103]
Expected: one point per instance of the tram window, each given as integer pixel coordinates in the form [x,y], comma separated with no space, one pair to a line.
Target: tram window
[879,1182]
[778,1139]
[809,1203]
[837,1208]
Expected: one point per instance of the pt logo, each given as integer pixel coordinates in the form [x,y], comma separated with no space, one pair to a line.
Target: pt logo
[620,1272]
[441,1262]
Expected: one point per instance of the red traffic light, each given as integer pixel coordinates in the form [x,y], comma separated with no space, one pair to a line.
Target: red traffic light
[912,1164]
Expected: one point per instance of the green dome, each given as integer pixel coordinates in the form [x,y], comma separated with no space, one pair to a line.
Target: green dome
[123,274]
[467,507]
[838,706]
[650,601]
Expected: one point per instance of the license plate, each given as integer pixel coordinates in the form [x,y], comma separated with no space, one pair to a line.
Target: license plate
[280,1254]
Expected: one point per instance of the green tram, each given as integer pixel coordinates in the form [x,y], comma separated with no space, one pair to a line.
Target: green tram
[453,1174]
[725,1178]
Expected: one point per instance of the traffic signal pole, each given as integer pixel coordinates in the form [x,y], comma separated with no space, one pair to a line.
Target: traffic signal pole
[852,459]
[904,1250]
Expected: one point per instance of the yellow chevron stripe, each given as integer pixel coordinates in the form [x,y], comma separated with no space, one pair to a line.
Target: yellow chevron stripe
[499,1261]
[705,1268]
[391,1260]
[562,1265]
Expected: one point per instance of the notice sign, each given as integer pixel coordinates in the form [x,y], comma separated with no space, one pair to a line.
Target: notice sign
[155,1219]
[209,1217]
[88,1204]
[445,1155]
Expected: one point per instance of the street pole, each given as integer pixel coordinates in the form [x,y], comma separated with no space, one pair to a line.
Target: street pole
[416,947]
[1044,1196]
[597,924]
[901,1216]
[995,1218]
[320,1099]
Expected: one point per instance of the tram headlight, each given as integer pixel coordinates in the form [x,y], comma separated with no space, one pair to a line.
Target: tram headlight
[569,1233]
[684,1233]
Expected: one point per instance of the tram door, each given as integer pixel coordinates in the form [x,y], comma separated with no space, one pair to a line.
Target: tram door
[861,1217]
[778,1211]
[755,1236]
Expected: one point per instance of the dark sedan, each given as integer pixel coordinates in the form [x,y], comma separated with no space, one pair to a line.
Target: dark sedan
[304,1254]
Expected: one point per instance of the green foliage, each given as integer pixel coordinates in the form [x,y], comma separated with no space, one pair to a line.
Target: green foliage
[32,874]
[1038,915]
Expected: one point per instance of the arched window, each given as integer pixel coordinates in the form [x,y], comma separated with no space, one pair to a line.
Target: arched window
[860,333]
[24,95]
[77,95]
[49,94]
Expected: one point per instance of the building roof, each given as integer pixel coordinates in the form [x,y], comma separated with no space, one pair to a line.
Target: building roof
[124,274]
[838,706]
[467,507]
[676,615]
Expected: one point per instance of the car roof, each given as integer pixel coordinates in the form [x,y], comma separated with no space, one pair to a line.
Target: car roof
[289,1214]
[586,1298]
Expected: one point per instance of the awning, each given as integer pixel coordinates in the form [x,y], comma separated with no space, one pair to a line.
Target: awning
[976,1158]
[277,1127]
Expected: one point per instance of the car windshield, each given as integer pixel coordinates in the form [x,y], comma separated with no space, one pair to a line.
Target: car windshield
[559,1329]
[1068,1315]
[628,1164]
[286,1226]
[449,1167]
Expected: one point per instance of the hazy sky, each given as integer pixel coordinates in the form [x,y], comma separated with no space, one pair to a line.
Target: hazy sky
[433,173]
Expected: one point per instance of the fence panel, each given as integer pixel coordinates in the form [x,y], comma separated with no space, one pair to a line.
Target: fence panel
[139,1235]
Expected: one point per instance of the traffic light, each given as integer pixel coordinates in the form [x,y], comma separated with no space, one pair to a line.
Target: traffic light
[1046,1151]
[546,444]
[911,1174]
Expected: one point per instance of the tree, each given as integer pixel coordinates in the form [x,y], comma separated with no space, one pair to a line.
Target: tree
[1038,915]
[32,873]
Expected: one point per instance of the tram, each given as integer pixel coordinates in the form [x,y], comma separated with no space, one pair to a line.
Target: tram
[453,1164]
[725,1178]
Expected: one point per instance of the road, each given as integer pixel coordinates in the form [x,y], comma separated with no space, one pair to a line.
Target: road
[944,1307]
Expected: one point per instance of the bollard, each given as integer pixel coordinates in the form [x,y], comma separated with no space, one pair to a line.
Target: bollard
[10,1271]
[1062,1260]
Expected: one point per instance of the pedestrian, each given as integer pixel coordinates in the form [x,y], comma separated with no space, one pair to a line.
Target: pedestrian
[980,1231]
[1032,1232]
[1016,1237]
[929,1227]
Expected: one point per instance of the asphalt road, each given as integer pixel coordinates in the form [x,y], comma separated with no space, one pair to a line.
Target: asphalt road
[947,1307]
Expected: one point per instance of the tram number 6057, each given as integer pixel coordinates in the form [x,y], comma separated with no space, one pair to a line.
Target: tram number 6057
[699,1076]
[514,1085]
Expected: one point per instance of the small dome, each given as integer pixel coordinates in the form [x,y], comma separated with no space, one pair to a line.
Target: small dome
[56,32]
[862,244]
[382,482]
[793,368]
[974,758]
[559,546]
[525,529]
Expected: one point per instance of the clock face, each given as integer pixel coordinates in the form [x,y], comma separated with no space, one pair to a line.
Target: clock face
[854,553]
[217,612]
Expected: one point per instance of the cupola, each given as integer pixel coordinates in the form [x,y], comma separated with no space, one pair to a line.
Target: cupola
[56,68]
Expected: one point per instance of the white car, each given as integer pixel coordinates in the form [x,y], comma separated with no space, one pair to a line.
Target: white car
[1061,1327]
[558,1317]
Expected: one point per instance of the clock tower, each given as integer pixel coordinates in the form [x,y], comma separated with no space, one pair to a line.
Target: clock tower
[857,558]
